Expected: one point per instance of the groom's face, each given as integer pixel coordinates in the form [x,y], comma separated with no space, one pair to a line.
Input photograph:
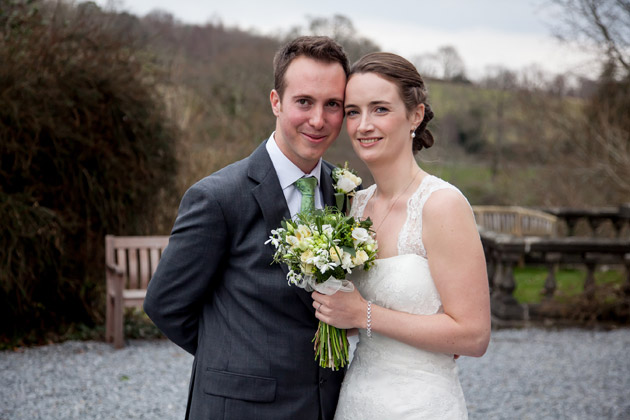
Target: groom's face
[310,112]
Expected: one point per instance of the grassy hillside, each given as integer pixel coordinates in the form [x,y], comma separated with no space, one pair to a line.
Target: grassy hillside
[499,146]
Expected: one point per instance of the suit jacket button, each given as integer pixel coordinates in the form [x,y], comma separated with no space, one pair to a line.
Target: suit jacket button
[322,381]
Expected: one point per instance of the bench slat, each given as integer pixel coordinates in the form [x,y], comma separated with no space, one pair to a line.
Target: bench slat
[155,258]
[143,253]
[132,255]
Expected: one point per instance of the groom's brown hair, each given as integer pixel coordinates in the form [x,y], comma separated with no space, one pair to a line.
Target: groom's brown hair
[321,48]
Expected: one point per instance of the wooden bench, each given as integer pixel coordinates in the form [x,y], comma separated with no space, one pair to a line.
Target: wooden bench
[130,262]
[515,220]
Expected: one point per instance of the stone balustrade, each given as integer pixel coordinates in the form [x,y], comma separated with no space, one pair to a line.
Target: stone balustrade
[504,252]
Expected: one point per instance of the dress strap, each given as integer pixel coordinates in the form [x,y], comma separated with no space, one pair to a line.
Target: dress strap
[410,237]
[360,200]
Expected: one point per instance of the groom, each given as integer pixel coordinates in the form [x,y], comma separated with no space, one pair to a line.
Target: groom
[215,292]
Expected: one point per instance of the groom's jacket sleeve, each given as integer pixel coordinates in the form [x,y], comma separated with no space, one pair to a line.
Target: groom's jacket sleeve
[190,265]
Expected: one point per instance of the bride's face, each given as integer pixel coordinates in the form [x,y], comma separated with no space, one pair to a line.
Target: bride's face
[376,119]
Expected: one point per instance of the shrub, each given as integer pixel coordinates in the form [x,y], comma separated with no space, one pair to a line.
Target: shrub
[85,149]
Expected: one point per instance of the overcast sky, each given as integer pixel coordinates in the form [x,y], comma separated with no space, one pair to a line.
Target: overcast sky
[511,33]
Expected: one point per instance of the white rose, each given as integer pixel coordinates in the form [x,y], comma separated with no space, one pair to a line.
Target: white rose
[361,257]
[292,240]
[357,181]
[307,256]
[302,233]
[346,185]
[336,254]
[360,235]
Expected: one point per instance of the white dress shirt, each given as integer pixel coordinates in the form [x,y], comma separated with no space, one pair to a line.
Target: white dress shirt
[288,173]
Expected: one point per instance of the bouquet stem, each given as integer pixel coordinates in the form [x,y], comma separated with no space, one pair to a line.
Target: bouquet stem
[331,346]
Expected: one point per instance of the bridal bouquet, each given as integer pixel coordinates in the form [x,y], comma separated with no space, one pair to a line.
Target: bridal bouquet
[321,248]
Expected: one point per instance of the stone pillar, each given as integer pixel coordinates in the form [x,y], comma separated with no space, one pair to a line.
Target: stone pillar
[504,305]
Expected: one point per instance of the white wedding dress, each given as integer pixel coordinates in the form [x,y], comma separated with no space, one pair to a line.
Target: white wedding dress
[387,379]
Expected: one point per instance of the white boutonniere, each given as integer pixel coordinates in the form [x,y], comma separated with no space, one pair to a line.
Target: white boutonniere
[345,181]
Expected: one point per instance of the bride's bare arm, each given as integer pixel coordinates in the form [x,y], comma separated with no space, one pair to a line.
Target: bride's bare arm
[457,265]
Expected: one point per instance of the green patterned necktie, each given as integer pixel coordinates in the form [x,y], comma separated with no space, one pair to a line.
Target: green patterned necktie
[307,187]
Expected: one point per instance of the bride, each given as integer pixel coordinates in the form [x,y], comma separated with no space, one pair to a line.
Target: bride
[426,298]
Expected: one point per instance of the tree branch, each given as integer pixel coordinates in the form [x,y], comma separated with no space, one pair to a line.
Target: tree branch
[593,11]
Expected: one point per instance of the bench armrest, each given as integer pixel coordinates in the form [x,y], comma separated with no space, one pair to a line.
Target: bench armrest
[115,269]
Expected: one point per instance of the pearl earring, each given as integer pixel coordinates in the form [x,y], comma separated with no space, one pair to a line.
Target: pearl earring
[413,133]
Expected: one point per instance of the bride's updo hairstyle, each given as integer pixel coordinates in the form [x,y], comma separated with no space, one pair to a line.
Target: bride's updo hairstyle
[410,87]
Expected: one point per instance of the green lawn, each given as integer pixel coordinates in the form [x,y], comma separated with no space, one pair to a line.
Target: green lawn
[530,282]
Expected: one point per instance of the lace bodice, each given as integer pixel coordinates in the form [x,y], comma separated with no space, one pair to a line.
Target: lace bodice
[388,379]
[410,236]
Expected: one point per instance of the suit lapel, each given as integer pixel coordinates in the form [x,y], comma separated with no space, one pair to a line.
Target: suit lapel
[328,193]
[272,203]
[268,192]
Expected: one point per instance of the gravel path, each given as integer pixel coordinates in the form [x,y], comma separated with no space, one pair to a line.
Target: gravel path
[526,374]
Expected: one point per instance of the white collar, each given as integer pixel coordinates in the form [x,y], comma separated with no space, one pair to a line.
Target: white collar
[287,171]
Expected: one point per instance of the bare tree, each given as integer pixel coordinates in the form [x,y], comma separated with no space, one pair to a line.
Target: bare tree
[427,64]
[451,63]
[602,141]
[339,28]
[558,85]
[445,63]
[499,81]
[603,23]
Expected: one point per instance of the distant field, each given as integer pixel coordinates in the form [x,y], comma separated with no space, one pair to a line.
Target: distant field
[476,129]
[516,187]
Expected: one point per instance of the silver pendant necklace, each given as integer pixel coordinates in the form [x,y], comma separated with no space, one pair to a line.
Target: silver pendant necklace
[394,202]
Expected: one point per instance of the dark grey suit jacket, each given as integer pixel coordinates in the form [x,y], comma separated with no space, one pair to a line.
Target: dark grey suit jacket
[216,294]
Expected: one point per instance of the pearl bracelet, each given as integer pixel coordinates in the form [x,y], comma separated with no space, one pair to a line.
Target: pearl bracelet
[369,319]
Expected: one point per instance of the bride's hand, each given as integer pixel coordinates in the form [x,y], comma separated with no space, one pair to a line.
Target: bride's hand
[341,310]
